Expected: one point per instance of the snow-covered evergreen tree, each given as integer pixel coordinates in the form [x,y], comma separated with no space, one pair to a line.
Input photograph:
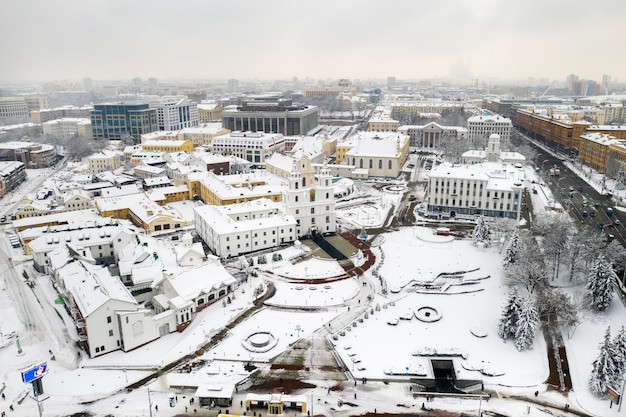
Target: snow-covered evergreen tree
[481,232]
[510,315]
[600,284]
[604,371]
[512,251]
[619,346]
[526,324]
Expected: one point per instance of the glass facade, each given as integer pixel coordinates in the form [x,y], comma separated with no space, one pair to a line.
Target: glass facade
[114,121]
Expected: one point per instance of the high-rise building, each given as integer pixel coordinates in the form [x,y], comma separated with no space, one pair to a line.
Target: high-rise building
[175,113]
[115,121]
[233,85]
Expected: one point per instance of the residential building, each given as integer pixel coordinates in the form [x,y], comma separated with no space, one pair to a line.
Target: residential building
[104,160]
[115,121]
[12,174]
[271,116]
[594,149]
[252,146]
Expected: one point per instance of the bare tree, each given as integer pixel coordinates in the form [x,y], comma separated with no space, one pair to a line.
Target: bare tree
[557,309]
[612,166]
[78,147]
[583,247]
[556,229]
[529,271]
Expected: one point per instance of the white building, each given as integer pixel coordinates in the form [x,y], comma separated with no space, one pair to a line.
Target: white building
[481,127]
[106,315]
[251,146]
[489,189]
[202,134]
[104,161]
[376,154]
[189,292]
[175,113]
[93,243]
[492,153]
[310,199]
[68,127]
[236,229]
[431,135]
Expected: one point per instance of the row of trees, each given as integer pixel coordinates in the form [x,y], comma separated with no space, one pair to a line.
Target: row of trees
[525,269]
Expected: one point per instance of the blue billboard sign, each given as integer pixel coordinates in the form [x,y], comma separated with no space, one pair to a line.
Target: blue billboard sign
[35,372]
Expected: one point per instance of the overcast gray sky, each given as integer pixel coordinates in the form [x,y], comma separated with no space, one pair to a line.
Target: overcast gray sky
[245,39]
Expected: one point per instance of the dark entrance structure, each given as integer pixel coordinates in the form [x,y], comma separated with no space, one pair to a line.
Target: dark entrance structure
[445,382]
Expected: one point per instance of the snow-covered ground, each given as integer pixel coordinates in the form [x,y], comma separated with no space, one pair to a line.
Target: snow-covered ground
[467,307]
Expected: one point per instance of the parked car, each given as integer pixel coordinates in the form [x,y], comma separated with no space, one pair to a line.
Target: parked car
[585,213]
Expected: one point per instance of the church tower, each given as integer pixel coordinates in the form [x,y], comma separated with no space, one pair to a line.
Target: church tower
[310,199]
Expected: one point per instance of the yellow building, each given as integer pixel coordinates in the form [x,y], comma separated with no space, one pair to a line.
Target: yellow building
[168,146]
[594,149]
[564,133]
[202,135]
[221,190]
[209,112]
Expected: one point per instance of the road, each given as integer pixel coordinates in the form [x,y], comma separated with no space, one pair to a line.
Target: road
[583,202]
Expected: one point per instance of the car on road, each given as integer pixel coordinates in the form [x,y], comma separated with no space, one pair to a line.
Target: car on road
[601,226]
[592,213]
[585,214]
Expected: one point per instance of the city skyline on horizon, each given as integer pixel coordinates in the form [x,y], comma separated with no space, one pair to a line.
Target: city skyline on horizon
[483,40]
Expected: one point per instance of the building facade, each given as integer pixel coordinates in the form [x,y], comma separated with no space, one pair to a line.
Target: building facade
[13,108]
[119,120]
[175,113]
[310,199]
[279,116]
[492,190]
[251,146]
[482,126]
[246,227]
[431,135]
[68,127]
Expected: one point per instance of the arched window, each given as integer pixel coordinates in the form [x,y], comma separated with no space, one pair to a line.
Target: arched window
[361,163]
[380,164]
[371,164]
[389,167]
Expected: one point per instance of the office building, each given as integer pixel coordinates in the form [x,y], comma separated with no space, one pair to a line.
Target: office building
[271,116]
[115,121]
